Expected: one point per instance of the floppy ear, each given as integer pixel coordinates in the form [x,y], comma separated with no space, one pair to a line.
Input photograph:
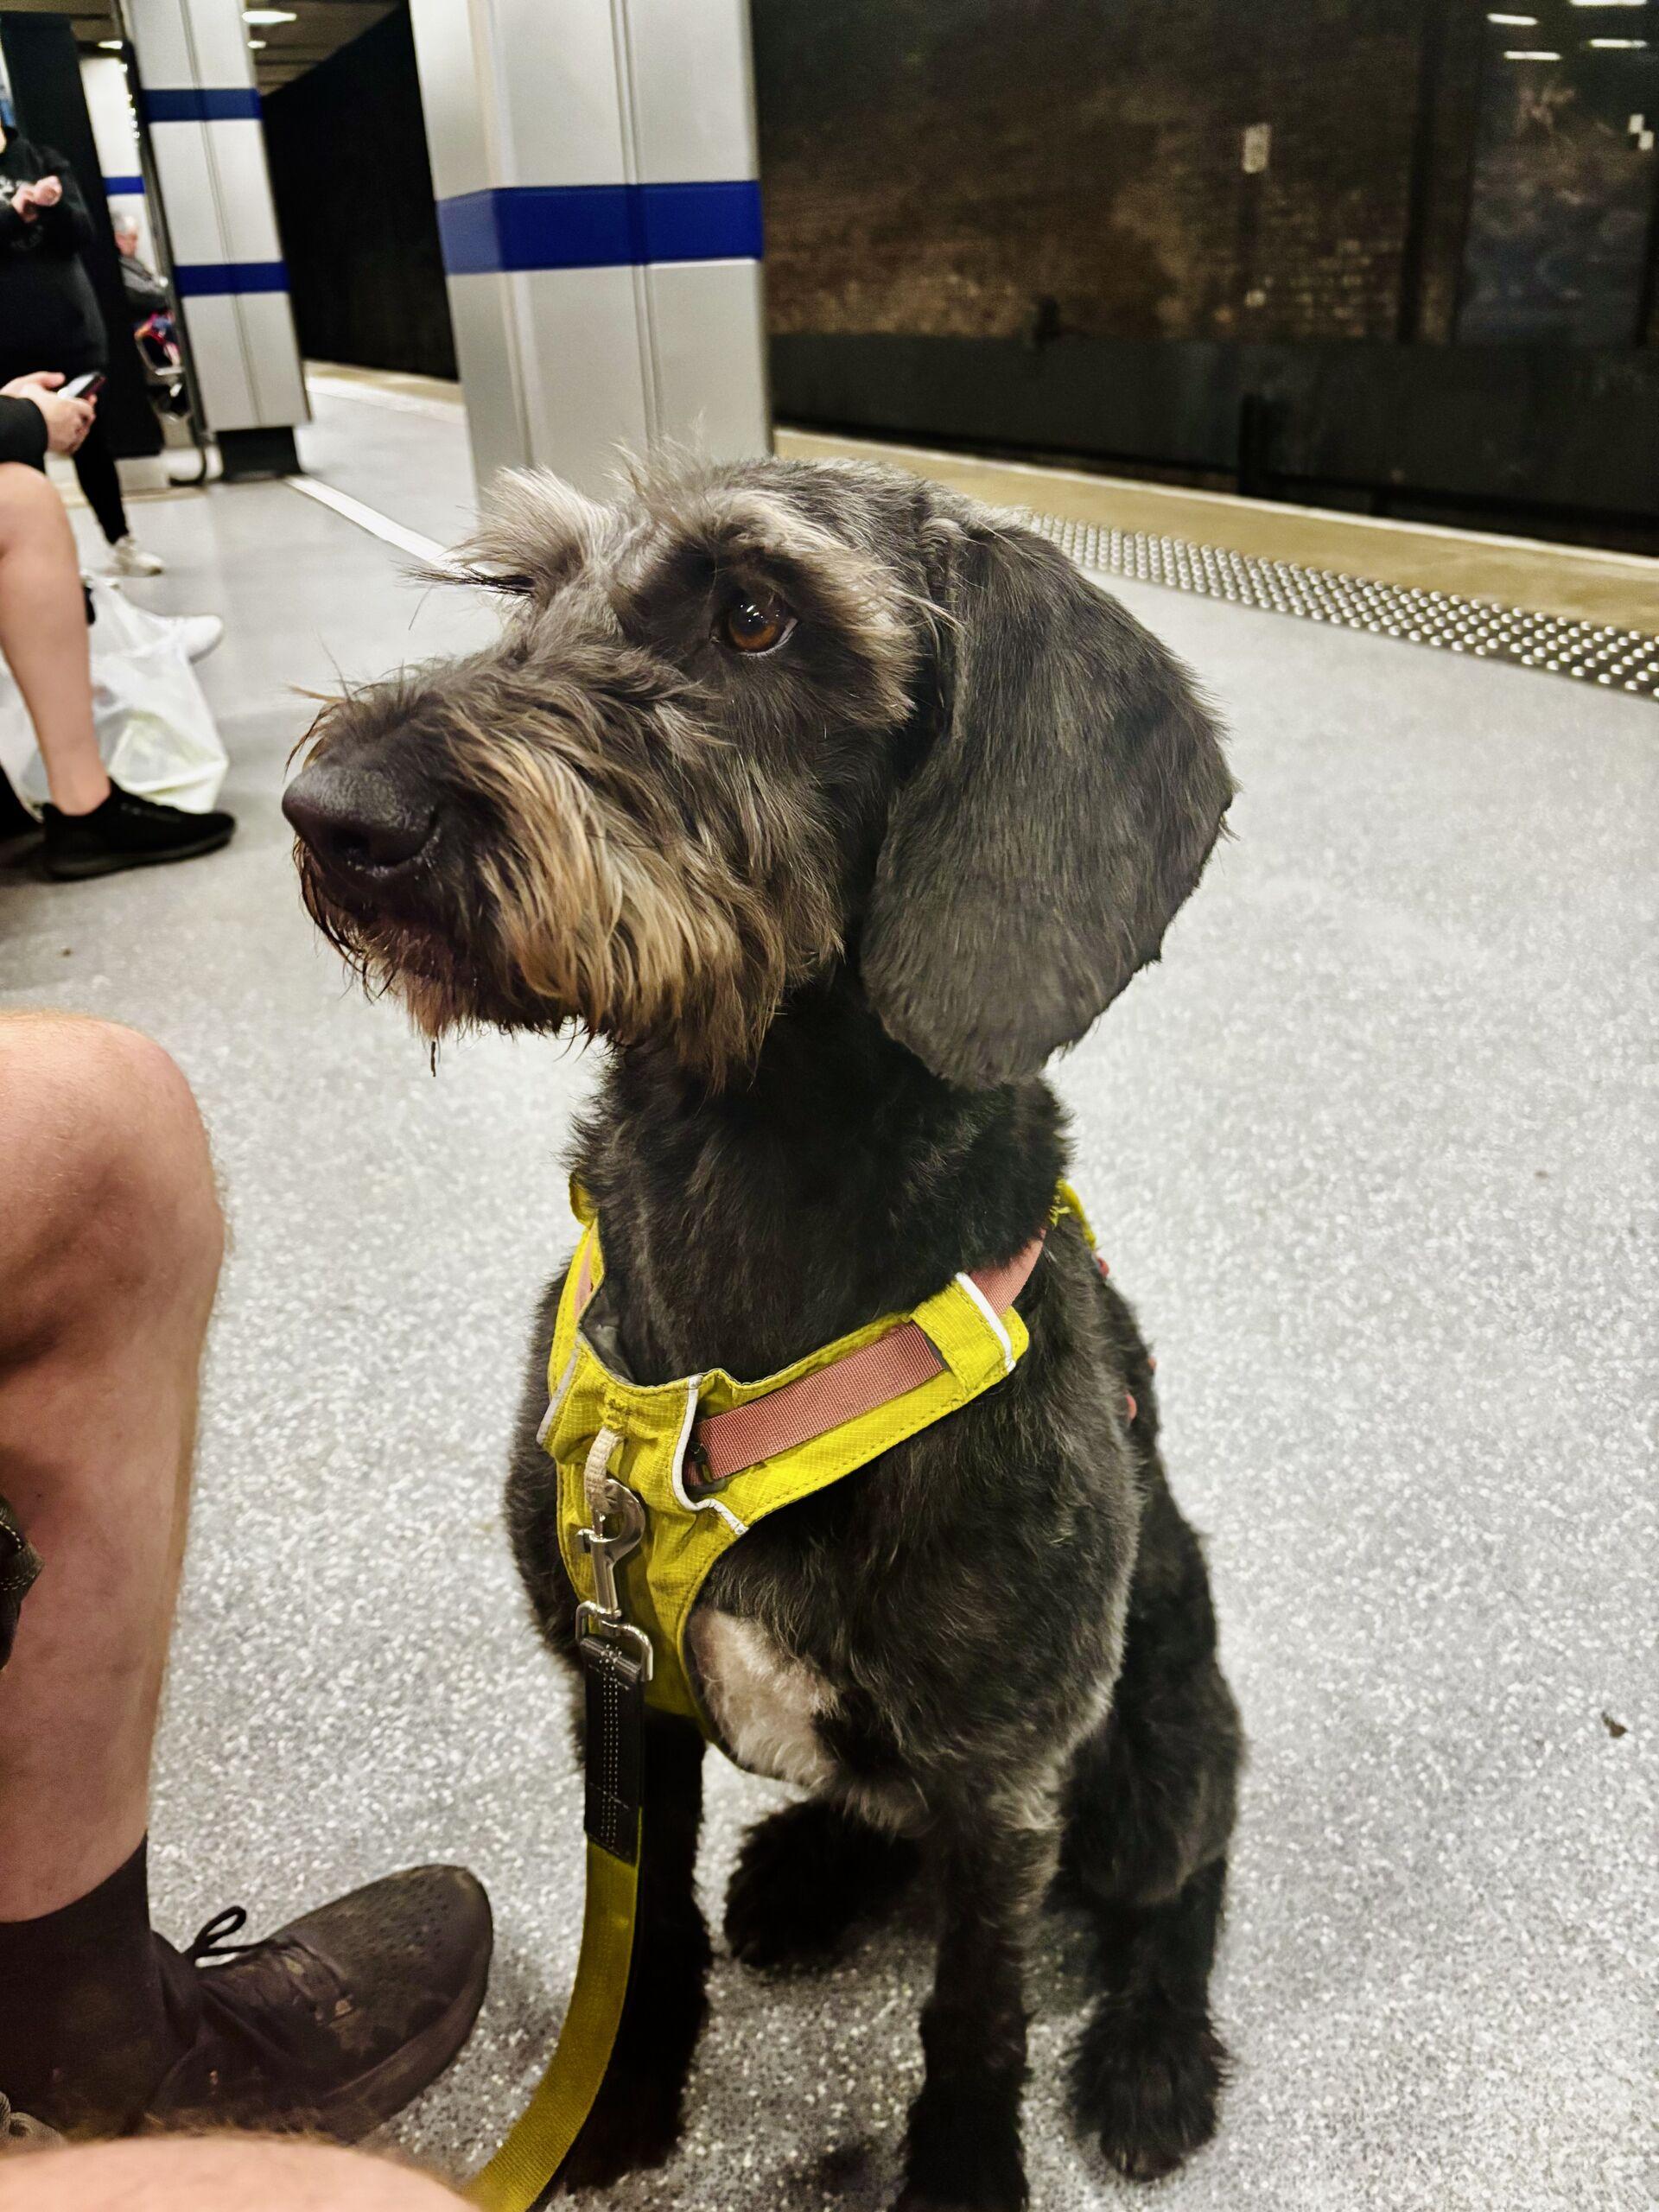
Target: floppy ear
[1037,853]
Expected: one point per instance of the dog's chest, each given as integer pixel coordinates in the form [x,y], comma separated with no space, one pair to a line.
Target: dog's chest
[764,1703]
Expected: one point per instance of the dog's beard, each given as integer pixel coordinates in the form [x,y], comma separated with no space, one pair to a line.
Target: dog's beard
[443,986]
[603,909]
[575,927]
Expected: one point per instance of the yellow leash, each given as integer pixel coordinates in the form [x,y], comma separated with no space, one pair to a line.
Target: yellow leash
[617,1663]
[518,2175]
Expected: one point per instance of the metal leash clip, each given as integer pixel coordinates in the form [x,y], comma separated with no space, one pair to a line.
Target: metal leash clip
[617,1528]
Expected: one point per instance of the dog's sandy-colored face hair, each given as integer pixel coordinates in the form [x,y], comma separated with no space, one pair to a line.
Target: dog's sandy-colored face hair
[744,723]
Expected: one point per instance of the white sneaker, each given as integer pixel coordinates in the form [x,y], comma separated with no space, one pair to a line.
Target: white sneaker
[132,559]
[197,633]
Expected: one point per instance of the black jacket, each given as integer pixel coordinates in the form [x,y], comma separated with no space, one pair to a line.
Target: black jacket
[144,291]
[22,431]
[49,316]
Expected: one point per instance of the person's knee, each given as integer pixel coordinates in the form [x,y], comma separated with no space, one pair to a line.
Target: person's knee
[207,2174]
[108,1178]
[29,502]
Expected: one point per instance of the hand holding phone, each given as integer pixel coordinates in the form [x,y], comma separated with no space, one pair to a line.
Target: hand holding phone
[67,418]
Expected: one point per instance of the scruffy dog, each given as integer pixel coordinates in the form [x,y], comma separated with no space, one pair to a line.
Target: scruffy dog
[837,804]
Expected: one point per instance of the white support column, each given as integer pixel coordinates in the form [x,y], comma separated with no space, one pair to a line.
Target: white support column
[197,97]
[595,168]
[115,133]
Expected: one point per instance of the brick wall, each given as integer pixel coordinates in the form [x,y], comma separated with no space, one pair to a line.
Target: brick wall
[999,167]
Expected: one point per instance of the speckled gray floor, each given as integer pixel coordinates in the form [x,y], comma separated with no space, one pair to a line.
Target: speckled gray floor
[1373,1151]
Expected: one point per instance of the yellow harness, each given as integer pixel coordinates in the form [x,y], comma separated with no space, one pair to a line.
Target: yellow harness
[666,1477]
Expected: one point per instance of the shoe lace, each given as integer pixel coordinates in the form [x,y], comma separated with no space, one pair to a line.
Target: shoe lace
[251,1989]
[211,1940]
[17,2126]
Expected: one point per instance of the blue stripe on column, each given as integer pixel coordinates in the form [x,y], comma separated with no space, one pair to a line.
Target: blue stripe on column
[599,225]
[122,186]
[202,103]
[701,222]
[210,280]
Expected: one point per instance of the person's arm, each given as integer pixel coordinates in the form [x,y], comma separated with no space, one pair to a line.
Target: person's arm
[145,294]
[22,431]
[67,226]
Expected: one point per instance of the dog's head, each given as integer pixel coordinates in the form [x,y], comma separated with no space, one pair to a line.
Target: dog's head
[749,721]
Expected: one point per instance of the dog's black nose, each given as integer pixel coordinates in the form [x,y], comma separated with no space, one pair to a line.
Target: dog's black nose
[358,817]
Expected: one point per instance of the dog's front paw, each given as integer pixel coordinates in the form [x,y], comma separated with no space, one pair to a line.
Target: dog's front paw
[986,2192]
[924,2200]
[634,2125]
[962,2148]
[804,1878]
[1147,2086]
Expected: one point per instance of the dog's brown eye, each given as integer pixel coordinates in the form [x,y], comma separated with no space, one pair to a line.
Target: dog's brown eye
[755,625]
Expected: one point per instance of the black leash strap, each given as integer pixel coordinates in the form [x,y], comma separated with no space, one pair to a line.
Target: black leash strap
[616,1663]
[615,1680]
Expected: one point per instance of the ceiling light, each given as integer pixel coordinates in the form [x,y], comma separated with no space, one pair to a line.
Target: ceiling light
[1530,54]
[1610,3]
[109,46]
[254,44]
[268,16]
[1516,22]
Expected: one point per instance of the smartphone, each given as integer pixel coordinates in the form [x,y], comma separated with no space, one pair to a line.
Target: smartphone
[87,387]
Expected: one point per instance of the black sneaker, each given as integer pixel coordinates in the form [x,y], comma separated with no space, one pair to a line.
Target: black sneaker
[128,831]
[333,2023]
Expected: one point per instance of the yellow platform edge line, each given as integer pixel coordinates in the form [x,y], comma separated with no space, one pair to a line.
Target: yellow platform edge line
[1574,582]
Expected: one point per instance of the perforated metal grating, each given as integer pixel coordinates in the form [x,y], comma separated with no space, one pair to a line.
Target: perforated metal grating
[1618,660]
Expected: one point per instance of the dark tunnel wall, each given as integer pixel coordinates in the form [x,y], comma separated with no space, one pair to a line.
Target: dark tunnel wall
[353,190]
[1343,244]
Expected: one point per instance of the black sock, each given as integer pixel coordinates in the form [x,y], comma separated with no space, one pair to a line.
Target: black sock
[84,2027]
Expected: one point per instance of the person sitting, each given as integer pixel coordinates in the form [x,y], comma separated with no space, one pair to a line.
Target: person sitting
[93,827]
[142,290]
[110,1240]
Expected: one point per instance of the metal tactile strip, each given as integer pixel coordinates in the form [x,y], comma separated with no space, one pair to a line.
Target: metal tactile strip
[1618,660]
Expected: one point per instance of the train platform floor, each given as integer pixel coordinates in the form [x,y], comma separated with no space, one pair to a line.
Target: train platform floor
[1373,1152]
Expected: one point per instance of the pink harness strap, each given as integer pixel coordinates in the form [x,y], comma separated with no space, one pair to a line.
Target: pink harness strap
[856,1384]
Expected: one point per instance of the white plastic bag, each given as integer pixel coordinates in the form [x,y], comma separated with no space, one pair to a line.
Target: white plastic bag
[154,728]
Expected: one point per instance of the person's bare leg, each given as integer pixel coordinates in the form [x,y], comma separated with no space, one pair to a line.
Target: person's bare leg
[43,635]
[213,2174]
[110,1244]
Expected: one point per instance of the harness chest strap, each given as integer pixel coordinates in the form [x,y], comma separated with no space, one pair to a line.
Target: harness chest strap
[699,1461]
[859,1382]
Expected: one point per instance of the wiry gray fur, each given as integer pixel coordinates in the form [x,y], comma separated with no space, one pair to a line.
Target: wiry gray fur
[834,907]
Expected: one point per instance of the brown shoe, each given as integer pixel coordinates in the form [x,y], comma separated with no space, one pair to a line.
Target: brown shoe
[19,2133]
[333,2023]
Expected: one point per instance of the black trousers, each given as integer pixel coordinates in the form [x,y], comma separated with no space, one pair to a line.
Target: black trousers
[95,467]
